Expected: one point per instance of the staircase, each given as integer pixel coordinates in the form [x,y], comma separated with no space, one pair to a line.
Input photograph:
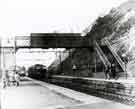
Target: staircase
[116,56]
[102,55]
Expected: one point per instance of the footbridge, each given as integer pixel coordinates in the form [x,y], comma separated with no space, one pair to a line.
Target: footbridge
[64,40]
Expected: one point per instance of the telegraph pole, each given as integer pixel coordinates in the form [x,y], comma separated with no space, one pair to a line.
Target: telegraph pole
[15,52]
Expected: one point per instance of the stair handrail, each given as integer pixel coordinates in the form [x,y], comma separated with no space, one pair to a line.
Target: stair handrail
[102,55]
[117,57]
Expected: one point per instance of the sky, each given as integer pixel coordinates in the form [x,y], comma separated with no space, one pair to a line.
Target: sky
[29,57]
[22,17]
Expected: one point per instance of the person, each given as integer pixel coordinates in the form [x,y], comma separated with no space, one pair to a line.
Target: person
[17,78]
[113,71]
[74,69]
[107,72]
[4,79]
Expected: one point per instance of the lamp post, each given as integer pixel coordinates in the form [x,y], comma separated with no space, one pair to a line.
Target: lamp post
[15,52]
[125,62]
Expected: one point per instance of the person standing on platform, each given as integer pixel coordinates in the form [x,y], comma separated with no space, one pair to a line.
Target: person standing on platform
[107,72]
[74,69]
[4,78]
[17,78]
[113,71]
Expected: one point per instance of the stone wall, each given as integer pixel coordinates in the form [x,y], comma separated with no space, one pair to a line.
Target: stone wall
[120,90]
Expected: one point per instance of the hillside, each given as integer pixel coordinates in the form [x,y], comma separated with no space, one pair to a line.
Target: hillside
[118,26]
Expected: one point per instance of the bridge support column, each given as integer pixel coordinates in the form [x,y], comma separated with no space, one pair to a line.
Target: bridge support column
[8,59]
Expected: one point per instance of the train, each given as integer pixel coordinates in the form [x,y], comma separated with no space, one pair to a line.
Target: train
[37,71]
